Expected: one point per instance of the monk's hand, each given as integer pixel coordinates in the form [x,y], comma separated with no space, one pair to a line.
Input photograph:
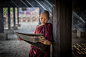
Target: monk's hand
[45,42]
[19,38]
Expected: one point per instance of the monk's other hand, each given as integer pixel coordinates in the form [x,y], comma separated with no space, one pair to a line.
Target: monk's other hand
[45,42]
[19,38]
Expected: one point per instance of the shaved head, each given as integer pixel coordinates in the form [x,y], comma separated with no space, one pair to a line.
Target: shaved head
[44,17]
[45,12]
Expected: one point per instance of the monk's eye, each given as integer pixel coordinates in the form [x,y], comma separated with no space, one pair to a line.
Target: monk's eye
[41,18]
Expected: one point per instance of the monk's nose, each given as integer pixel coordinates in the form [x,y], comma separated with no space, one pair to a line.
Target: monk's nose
[43,20]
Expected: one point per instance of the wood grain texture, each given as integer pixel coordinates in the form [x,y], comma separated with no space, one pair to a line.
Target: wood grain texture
[62,27]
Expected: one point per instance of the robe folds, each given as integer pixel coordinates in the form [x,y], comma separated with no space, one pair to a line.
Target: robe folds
[47,31]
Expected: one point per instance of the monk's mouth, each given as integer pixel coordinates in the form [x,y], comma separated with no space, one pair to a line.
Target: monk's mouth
[43,22]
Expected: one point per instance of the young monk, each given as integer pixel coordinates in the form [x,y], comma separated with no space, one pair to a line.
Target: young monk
[46,29]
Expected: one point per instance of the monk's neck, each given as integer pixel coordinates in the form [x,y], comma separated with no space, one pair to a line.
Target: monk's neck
[42,24]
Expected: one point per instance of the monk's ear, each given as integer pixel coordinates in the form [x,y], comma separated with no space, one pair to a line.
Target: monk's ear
[49,18]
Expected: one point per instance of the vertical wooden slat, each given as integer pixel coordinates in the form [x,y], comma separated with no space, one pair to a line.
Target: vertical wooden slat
[9,17]
[14,15]
[18,14]
[1,18]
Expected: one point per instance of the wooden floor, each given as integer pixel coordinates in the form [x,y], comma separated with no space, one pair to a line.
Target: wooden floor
[78,46]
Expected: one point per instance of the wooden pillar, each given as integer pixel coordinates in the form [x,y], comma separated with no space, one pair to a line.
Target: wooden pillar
[62,28]
[1,18]
[18,14]
[14,15]
[9,17]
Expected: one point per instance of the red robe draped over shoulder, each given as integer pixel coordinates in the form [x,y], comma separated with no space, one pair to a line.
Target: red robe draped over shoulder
[47,31]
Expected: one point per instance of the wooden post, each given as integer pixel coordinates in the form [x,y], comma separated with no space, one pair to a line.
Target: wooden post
[18,14]
[1,18]
[9,17]
[14,15]
[62,28]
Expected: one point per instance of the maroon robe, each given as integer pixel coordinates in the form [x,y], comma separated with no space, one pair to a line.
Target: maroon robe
[47,31]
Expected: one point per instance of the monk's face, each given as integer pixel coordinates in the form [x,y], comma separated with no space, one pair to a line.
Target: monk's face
[44,18]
